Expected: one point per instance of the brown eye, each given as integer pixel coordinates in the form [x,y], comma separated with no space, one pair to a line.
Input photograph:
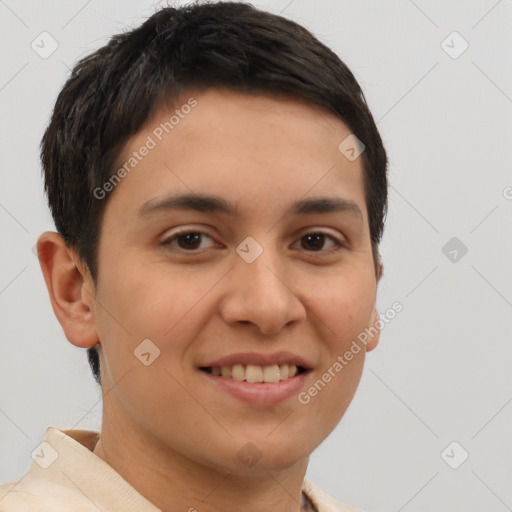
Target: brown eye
[189,241]
[316,241]
[186,240]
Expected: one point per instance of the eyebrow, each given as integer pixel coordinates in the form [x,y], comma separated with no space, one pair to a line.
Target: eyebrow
[216,204]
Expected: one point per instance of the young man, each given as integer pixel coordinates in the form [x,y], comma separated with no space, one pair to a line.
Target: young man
[219,189]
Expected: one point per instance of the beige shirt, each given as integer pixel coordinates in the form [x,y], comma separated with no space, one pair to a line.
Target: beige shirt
[66,476]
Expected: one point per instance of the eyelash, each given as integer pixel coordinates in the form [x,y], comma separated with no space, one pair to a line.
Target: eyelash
[168,241]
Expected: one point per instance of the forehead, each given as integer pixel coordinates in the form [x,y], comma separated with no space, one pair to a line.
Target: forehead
[247,148]
[244,121]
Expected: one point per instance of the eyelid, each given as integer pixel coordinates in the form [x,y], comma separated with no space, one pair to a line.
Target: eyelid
[336,235]
[340,241]
[172,235]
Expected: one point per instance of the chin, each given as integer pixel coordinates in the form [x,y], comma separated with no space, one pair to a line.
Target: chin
[261,455]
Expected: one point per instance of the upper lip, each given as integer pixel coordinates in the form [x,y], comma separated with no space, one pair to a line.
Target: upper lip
[257,359]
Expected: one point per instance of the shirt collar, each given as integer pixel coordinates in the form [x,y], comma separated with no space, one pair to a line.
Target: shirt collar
[66,457]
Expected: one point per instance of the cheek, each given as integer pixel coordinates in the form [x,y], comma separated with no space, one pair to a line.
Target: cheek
[144,299]
[327,397]
[343,306]
[146,321]
[150,304]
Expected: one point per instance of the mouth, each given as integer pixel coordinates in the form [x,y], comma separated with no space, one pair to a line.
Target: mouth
[256,374]
[259,379]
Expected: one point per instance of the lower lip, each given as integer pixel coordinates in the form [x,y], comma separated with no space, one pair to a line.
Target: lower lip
[259,393]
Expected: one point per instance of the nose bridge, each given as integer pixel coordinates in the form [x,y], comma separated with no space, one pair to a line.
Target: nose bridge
[260,292]
[259,268]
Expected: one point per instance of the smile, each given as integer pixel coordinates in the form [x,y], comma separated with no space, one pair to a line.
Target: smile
[254,374]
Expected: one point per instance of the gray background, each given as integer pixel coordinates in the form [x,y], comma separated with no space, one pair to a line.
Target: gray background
[442,370]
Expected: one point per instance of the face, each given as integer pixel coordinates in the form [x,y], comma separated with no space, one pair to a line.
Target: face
[256,279]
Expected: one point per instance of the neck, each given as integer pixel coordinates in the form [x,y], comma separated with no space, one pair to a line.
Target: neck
[173,482]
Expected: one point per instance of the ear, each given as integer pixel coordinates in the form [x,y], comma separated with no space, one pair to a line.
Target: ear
[374,329]
[70,287]
[379,269]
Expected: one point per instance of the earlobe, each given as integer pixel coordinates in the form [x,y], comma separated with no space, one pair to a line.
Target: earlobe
[374,330]
[70,289]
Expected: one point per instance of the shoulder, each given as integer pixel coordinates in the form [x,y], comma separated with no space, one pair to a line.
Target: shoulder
[12,499]
[30,494]
[17,497]
[325,502]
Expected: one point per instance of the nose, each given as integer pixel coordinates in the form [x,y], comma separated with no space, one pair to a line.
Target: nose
[261,293]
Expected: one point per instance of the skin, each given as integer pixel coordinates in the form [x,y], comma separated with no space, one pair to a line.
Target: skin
[168,434]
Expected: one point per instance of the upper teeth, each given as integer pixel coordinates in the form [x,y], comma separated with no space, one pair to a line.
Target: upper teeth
[254,373]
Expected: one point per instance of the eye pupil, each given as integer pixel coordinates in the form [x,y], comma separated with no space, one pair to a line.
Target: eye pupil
[316,240]
[190,238]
